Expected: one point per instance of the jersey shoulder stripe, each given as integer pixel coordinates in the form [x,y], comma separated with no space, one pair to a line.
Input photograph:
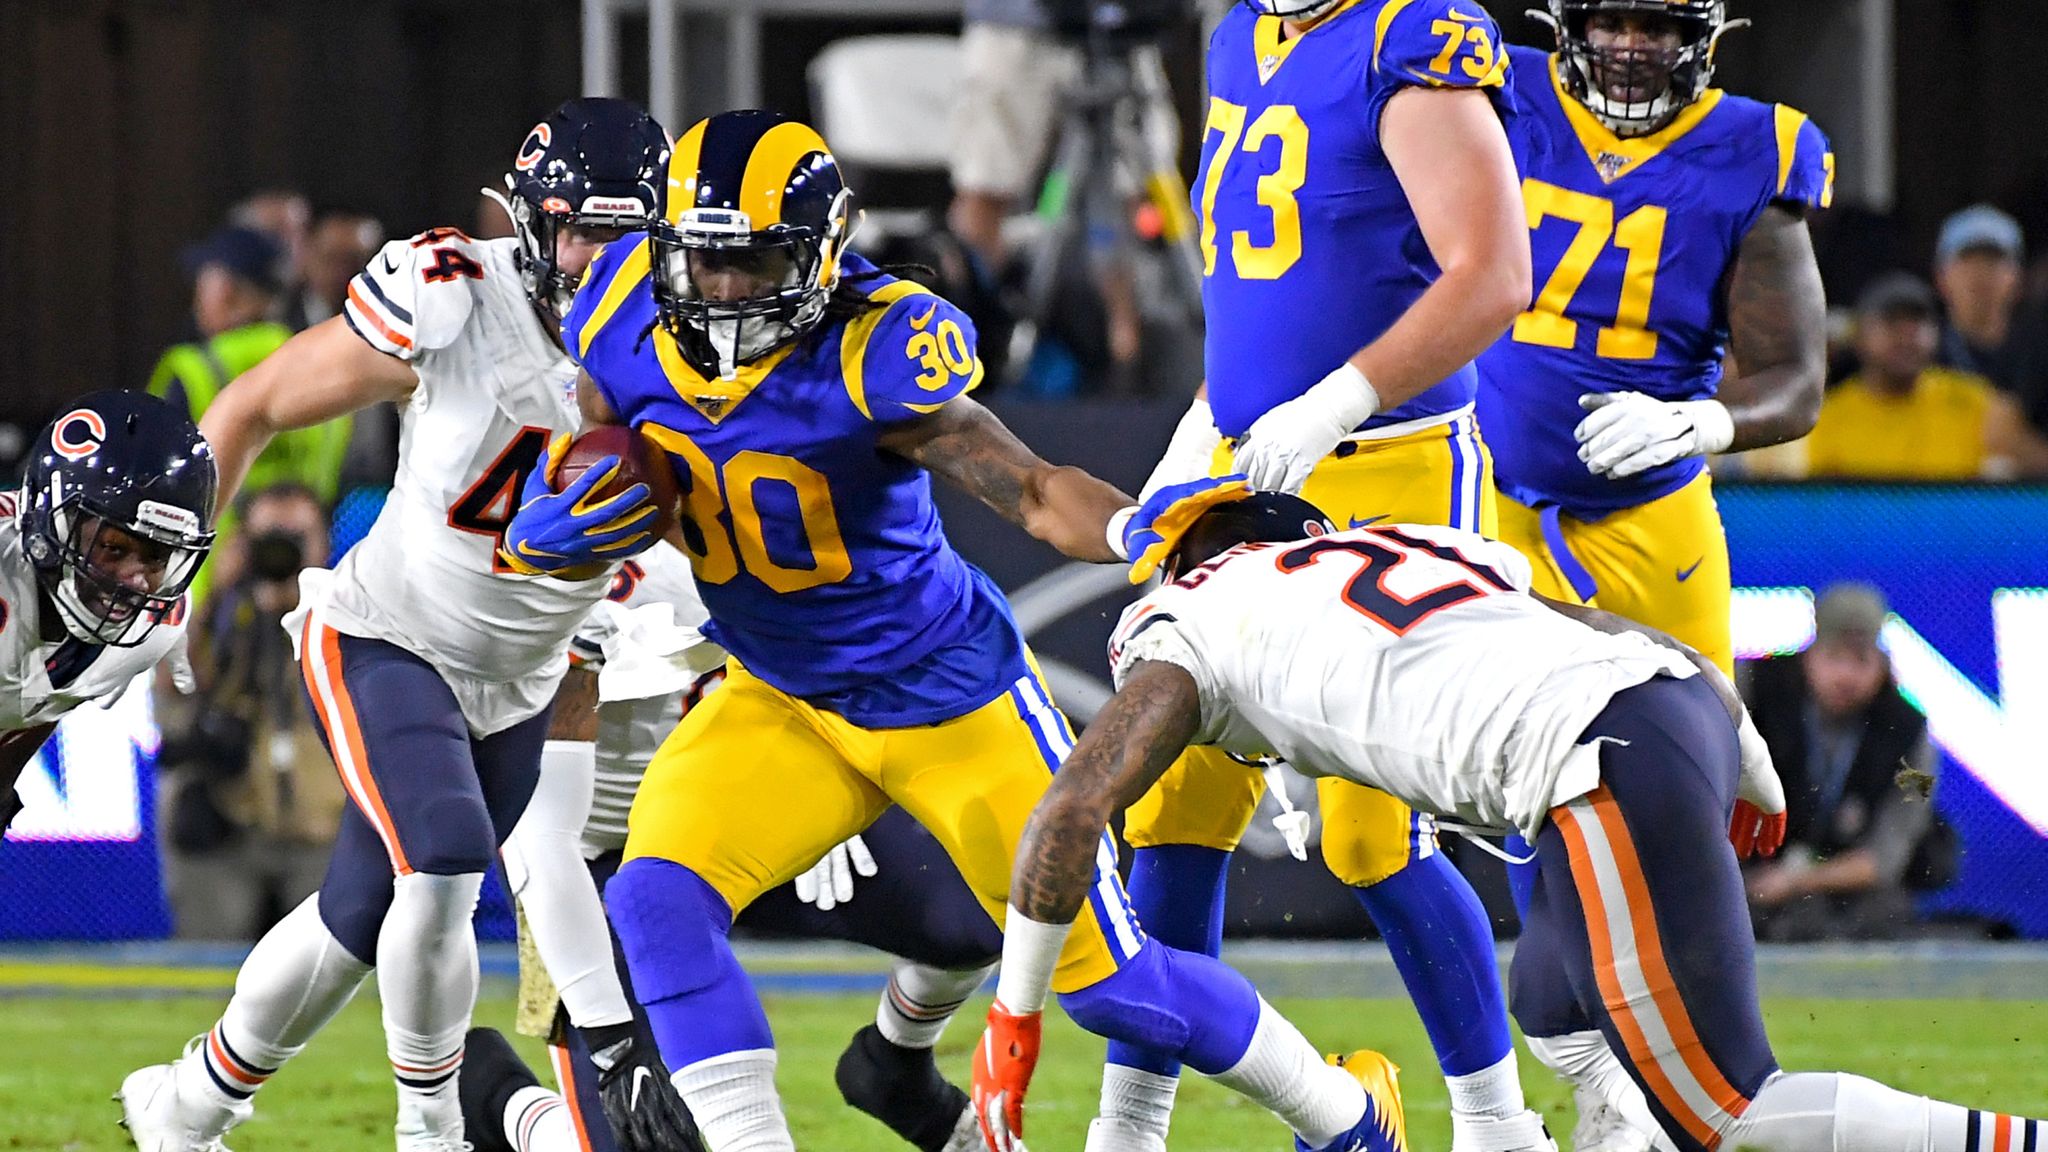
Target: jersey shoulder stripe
[909,356]
[619,268]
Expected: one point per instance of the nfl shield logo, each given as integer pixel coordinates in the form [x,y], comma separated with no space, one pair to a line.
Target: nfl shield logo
[712,406]
[1610,165]
[1268,64]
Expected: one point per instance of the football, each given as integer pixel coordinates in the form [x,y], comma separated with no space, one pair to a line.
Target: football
[641,461]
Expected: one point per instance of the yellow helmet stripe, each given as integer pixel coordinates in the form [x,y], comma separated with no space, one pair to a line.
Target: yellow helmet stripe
[775,156]
[682,173]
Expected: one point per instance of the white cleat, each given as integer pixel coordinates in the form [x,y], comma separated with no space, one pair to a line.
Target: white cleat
[1602,1128]
[1109,1134]
[433,1144]
[1525,1132]
[158,1121]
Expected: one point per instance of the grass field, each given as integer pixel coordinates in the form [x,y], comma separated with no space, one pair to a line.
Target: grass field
[65,1055]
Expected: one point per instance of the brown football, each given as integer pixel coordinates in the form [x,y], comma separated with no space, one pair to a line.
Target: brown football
[641,461]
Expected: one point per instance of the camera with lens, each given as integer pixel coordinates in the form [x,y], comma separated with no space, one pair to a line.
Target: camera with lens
[276,556]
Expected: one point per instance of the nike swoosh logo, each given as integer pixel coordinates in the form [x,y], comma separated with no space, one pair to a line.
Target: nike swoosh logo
[1357,523]
[919,322]
[390,269]
[1685,574]
[640,1076]
[1454,14]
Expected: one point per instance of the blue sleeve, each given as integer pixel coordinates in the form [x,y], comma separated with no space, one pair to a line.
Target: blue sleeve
[1436,44]
[910,357]
[1806,162]
[590,294]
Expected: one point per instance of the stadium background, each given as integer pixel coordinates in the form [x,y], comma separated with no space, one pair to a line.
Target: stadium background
[135,122]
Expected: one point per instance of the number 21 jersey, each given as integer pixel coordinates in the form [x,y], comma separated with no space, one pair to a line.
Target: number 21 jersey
[1310,250]
[1633,241]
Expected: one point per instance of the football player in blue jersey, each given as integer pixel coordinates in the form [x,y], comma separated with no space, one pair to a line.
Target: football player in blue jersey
[1362,236]
[805,398]
[1668,225]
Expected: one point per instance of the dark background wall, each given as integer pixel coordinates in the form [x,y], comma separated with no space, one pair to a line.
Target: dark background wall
[132,124]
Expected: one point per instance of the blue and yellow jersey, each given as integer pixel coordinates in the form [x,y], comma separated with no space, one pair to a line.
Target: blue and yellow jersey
[1633,241]
[1310,251]
[818,554]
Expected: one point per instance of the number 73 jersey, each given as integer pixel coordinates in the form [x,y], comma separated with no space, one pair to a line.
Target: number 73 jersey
[1633,242]
[1310,250]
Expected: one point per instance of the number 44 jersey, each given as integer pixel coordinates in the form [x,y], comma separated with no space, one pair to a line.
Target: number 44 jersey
[1410,659]
[494,387]
[1633,242]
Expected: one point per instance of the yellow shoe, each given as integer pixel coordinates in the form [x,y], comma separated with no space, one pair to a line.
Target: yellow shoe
[1384,1127]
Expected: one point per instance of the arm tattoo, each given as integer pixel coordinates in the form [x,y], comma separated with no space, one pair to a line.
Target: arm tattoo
[1126,749]
[1777,317]
[967,445]
[575,715]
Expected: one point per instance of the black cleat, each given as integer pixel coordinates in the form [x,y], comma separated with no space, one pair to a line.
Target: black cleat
[491,1073]
[902,1088]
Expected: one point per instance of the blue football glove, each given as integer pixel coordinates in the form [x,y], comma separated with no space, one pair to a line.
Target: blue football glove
[1155,529]
[571,535]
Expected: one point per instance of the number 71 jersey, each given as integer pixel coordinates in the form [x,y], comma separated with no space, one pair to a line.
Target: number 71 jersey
[1633,242]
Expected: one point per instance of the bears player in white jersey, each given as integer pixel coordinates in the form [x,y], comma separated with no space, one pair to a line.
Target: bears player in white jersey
[430,667]
[641,664]
[114,517]
[1416,660]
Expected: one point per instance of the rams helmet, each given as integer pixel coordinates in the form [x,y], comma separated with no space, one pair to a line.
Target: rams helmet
[116,513]
[594,163]
[748,248]
[1635,91]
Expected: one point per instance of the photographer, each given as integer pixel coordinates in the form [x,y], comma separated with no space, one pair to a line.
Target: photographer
[251,799]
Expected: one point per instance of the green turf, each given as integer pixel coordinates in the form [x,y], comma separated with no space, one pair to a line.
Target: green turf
[65,1056]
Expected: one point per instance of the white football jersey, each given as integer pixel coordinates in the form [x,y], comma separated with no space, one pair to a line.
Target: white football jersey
[27,661]
[645,642]
[494,389]
[1407,658]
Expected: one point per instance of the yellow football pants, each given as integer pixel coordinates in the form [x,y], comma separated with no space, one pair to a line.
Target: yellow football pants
[1439,475]
[755,785]
[1664,564]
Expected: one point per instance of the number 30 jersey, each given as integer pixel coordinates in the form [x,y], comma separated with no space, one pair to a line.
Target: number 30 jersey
[1310,250]
[494,387]
[1633,242]
[1410,659]
[818,553]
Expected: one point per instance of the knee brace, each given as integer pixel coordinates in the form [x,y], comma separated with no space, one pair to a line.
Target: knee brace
[672,926]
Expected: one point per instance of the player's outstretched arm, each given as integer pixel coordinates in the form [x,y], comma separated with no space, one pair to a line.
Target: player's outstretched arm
[1777,319]
[322,373]
[1063,506]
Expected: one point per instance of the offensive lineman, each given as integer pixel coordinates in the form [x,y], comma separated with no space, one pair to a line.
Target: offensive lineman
[1363,243]
[430,667]
[1416,660]
[113,518]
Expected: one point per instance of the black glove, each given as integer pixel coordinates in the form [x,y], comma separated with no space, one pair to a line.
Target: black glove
[641,1103]
[10,807]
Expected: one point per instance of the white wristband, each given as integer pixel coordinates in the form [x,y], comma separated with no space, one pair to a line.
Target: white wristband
[1712,424]
[1031,951]
[1347,395]
[1114,536]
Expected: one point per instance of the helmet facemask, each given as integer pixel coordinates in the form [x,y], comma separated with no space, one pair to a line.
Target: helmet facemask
[1639,89]
[73,560]
[1292,9]
[731,295]
[539,228]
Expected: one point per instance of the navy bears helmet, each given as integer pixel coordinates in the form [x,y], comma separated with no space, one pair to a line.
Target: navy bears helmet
[748,248]
[1634,90]
[595,163]
[1262,517]
[116,513]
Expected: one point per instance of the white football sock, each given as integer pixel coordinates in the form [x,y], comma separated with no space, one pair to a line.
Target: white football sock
[537,1120]
[921,1000]
[545,870]
[1584,1060]
[1284,1072]
[1136,1110]
[1838,1112]
[1494,1091]
[734,1101]
[427,976]
[293,982]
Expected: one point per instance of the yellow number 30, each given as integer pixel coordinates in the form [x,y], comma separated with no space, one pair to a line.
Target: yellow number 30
[942,353]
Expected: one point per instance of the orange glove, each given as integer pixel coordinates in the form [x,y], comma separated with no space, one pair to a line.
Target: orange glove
[1755,832]
[1003,1063]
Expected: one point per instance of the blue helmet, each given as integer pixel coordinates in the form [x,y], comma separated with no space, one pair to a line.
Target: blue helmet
[595,162]
[1262,517]
[120,478]
[1636,92]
